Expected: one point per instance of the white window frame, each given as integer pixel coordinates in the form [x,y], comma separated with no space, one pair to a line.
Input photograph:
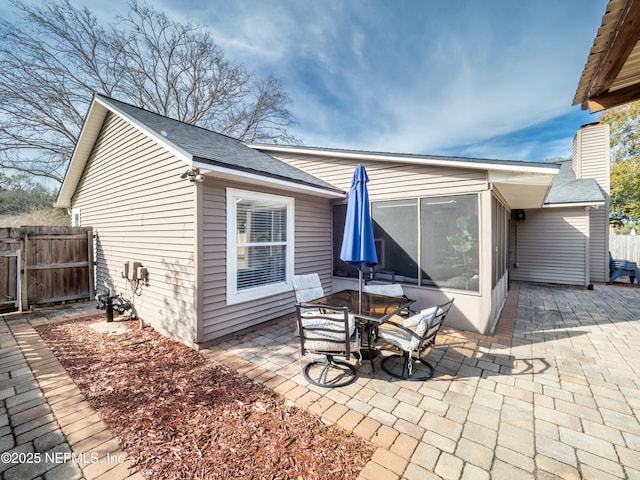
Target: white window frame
[233,295]
[75,215]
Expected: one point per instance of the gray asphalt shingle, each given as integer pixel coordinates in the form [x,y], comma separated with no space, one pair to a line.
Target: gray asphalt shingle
[567,189]
[216,149]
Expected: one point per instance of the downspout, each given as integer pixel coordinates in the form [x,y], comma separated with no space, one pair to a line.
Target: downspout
[198,231]
[587,247]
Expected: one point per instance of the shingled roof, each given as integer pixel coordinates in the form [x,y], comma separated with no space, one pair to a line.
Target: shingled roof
[197,146]
[214,148]
[568,190]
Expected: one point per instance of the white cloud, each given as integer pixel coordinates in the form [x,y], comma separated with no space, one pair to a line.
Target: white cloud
[411,76]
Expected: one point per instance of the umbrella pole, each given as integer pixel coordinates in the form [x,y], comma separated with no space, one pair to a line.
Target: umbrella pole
[360,291]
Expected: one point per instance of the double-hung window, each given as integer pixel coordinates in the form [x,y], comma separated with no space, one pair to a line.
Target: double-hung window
[260,245]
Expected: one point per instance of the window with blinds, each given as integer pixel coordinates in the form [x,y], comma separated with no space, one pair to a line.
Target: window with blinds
[260,230]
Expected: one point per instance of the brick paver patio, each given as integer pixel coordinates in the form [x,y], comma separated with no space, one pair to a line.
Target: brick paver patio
[555,393]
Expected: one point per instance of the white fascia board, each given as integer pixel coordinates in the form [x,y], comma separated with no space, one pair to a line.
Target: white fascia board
[81,151]
[544,168]
[230,173]
[579,204]
[256,179]
[525,178]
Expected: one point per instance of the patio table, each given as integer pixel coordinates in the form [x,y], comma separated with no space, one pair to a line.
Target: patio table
[375,310]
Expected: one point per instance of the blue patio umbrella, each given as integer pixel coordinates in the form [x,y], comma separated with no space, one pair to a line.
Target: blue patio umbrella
[358,246]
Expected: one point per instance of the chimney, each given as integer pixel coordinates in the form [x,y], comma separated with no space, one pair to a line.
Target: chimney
[591,160]
[591,156]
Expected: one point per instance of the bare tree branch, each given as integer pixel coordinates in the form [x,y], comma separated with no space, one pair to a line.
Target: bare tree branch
[56,56]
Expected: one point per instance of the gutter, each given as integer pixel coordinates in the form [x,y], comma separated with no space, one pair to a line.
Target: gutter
[426,160]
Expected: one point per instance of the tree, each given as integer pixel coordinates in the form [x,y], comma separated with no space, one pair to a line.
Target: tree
[624,122]
[19,194]
[56,56]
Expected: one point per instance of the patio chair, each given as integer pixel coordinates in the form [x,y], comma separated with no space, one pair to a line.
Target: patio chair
[412,335]
[328,332]
[307,287]
[623,268]
[380,275]
[392,290]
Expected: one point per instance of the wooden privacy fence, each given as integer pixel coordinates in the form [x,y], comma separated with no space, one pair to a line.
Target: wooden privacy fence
[625,247]
[41,265]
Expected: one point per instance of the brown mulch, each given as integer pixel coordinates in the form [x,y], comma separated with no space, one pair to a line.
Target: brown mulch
[178,415]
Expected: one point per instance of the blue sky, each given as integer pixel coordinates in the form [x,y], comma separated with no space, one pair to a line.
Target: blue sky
[489,79]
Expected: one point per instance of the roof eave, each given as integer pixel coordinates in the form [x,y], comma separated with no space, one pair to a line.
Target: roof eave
[90,130]
[88,135]
[226,173]
[529,167]
[574,204]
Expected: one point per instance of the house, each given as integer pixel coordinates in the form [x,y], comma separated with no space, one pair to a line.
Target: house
[217,225]
[528,221]
[221,227]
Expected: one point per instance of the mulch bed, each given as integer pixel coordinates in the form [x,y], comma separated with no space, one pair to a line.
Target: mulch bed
[178,415]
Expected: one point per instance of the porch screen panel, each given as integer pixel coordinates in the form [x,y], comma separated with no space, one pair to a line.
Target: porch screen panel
[449,233]
[499,240]
[394,230]
[261,242]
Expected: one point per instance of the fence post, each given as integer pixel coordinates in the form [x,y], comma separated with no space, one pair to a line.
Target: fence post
[24,270]
[92,293]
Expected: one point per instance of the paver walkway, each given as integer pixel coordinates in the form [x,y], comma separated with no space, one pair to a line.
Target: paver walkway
[554,394]
[47,429]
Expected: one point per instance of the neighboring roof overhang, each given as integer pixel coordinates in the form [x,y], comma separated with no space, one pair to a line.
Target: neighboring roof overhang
[611,76]
[521,184]
[94,120]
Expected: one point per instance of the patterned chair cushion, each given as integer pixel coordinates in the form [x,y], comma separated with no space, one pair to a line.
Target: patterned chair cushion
[417,323]
[316,343]
[307,287]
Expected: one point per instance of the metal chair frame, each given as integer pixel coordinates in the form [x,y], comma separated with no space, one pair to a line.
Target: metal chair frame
[329,332]
[424,341]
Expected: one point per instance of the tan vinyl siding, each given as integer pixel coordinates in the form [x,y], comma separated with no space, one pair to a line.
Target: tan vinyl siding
[131,194]
[397,181]
[312,254]
[591,154]
[591,159]
[388,180]
[550,246]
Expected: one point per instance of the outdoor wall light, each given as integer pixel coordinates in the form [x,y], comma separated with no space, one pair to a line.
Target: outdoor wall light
[193,174]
